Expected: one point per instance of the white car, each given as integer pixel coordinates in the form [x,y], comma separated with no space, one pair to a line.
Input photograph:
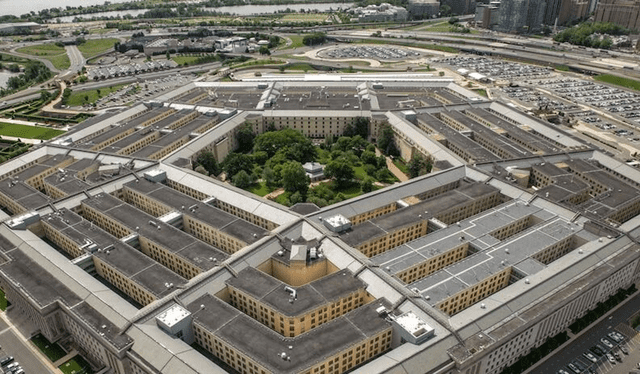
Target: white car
[590,356]
[606,342]
[611,359]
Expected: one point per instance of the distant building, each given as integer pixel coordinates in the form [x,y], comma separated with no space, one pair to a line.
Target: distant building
[521,16]
[621,12]
[562,12]
[459,7]
[10,28]
[380,13]
[423,8]
[487,15]
[233,45]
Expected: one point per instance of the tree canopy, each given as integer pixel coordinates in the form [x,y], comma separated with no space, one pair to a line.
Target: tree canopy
[294,179]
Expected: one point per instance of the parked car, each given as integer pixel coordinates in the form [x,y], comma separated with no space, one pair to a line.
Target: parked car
[590,356]
[606,342]
[624,349]
[6,360]
[614,337]
[573,368]
[597,350]
[611,359]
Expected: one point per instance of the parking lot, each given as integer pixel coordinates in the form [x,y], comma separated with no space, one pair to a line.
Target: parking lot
[537,99]
[496,69]
[583,348]
[13,345]
[373,52]
[143,91]
[614,100]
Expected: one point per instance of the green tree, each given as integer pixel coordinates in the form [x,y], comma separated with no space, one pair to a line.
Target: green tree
[293,143]
[386,142]
[245,138]
[341,171]
[264,50]
[242,179]
[295,198]
[294,179]
[366,185]
[208,161]
[234,162]
[418,165]
[359,126]
[368,157]
[269,176]
[314,38]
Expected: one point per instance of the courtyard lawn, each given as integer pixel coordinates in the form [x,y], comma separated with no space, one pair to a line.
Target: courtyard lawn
[28,132]
[56,54]
[259,188]
[77,365]
[51,350]
[3,301]
[93,47]
[78,98]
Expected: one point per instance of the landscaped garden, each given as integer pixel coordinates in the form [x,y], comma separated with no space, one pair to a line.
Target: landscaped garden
[52,350]
[77,365]
[271,164]
[28,132]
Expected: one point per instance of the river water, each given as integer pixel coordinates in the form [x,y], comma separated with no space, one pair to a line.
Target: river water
[18,8]
[241,10]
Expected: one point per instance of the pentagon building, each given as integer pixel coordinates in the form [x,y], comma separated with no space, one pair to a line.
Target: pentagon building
[108,238]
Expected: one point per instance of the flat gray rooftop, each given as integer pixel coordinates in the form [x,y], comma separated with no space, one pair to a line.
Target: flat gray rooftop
[38,283]
[269,290]
[477,152]
[168,237]
[423,210]
[265,345]
[216,218]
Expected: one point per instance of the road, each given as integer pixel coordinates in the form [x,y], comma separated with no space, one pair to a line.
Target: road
[590,338]
[13,345]
[76,58]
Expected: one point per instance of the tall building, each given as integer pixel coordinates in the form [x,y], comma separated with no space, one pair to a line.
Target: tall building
[561,12]
[521,15]
[621,12]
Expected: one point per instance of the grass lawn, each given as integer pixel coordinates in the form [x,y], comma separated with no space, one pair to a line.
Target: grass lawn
[296,42]
[360,173]
[400,164]
[93,47]
[283,198]
[301,67]
[481,91]
[28,132]
[57,55]
[299,17]
[619,81]
[76,366]
[3,301]
[259,189]
[100,31]
[180,60]
[77,98]
[51,350]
